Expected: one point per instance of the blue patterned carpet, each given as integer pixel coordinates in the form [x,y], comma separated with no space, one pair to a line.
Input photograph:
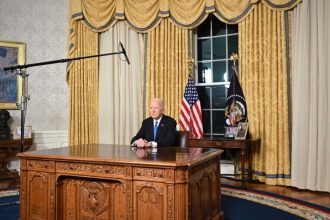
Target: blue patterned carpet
[240,203]
[237,204]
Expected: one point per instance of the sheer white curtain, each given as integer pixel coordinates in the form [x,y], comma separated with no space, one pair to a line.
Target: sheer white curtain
[120,91]
[311,95]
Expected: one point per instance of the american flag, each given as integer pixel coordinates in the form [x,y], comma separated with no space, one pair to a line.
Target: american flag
[190,118]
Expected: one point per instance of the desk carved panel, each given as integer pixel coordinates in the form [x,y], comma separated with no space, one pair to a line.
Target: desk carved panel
[94,169]
[91,199]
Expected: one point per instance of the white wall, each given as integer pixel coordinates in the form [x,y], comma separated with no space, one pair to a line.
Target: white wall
[43,26]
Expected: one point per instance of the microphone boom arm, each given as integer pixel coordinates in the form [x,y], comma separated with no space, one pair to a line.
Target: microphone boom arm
[24,75]
[11,68]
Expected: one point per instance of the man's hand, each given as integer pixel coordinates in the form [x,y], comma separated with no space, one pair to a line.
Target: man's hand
[140,142]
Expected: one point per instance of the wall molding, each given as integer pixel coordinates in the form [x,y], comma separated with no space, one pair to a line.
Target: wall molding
[49,139]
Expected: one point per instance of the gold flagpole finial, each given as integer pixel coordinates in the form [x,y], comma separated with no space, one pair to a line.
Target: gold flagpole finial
[233,58]
[190,62]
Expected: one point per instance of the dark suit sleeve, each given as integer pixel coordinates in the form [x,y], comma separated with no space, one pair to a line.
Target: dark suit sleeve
[167,138]
[140,134]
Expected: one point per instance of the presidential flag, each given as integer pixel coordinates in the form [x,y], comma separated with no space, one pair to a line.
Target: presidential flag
[236,109]
[190,118]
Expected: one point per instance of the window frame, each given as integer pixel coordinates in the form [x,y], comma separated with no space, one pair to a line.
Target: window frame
[212,85]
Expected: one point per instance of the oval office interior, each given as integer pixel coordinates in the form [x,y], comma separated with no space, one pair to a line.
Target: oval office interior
[281,67]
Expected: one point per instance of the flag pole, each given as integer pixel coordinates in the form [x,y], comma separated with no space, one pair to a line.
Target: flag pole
[191,62]
[233,58]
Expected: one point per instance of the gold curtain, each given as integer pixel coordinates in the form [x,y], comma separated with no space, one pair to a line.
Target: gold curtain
[167,66]
[145,15]
[83,83]
[264,79]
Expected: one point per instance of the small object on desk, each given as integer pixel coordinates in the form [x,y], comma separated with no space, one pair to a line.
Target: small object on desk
[231,132]
[27,132]
[242,131]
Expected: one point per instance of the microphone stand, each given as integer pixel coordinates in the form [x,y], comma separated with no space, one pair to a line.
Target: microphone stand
[24,98]
[22,73]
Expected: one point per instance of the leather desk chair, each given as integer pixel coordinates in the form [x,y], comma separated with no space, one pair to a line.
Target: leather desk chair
[181,139]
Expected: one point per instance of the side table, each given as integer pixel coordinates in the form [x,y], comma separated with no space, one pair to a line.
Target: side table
[9,148]
[244,147]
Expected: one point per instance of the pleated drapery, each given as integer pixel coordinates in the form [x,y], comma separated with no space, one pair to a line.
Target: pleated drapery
[83,83]
[265,79]
[121,86]
[167,66]
[311,96]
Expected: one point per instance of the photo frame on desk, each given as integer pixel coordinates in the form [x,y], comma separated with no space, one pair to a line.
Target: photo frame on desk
[230,132]
[27,132]
[242,130]
[11,54]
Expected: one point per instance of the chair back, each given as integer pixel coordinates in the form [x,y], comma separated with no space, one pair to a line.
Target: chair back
[181,139]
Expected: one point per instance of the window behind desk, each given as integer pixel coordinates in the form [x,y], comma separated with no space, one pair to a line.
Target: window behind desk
[215,41]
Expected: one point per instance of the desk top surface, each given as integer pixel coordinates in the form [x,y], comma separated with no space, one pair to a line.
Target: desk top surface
[121,154]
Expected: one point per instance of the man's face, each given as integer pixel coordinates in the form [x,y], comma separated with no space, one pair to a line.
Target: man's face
[155,109]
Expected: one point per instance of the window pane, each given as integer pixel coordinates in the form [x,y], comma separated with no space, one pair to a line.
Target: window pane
[204,96]
[204,72]
[218,121]
[219,48]
[206,136]
[219,97]
[232,29]
[206,121]
[218,27]
[219,71]
[203,30]
[232,45]
[204,49]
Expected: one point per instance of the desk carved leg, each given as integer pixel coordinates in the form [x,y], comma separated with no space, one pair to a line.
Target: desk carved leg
[243,159]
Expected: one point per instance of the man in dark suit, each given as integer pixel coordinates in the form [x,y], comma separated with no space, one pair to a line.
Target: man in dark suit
[157,130]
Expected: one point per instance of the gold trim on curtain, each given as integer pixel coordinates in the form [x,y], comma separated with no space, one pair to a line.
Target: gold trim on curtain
[83,83]
[264,78]
[167,66]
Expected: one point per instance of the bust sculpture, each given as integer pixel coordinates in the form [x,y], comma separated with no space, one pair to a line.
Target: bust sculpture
[4,128]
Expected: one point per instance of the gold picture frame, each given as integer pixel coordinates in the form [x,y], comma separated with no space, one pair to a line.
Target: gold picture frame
[11,54]
[242,130]
[27,132]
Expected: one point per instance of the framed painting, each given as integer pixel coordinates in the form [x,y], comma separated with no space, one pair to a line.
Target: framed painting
[11,54]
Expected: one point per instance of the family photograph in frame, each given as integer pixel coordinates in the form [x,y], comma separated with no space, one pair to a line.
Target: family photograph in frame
[230,132]
[27,132]
[242,130]
[11,54]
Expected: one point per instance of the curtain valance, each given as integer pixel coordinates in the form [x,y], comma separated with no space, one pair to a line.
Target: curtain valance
[144,15]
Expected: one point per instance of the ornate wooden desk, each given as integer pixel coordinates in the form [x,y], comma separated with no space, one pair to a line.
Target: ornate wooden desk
[243,145]
[9,148]
[120,182]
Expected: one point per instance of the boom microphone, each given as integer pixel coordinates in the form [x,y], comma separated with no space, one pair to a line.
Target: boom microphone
[124,52]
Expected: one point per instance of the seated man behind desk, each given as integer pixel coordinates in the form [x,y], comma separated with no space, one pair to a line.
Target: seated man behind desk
[164,133]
